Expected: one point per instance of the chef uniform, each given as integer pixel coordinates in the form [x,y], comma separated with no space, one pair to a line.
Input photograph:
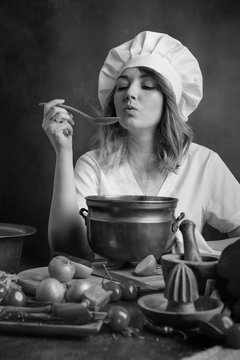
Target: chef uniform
[206,189]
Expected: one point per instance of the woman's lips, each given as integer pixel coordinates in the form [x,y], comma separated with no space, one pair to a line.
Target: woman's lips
[130,110]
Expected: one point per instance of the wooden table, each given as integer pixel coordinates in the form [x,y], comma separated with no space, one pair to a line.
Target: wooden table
[101,346]
[148,346]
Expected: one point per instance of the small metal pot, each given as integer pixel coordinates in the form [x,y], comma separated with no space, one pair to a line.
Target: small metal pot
[11,243]
[129,228]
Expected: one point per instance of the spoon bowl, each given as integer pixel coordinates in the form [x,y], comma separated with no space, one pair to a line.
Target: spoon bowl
[96,120]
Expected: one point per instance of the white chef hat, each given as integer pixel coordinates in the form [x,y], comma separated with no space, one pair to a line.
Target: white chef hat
[162,53]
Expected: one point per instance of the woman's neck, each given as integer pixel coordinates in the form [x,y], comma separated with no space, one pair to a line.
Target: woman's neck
[144,163]
[141,152]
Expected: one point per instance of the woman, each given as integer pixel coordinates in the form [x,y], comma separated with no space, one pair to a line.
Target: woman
[152,83]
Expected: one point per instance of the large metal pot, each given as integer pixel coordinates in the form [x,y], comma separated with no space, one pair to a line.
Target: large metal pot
[130,227]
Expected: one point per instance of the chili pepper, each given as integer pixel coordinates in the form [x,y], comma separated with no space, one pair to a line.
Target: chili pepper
[165,330]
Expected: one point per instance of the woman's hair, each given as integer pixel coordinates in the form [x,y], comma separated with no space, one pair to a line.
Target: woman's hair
[172,140]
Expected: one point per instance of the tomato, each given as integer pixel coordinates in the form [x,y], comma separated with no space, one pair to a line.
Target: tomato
[222,322]
[15,297]
[76,290]
[129,290]
[61,268]
[50,290]
[233,336]
[119,318]
[3,292]
[115,288]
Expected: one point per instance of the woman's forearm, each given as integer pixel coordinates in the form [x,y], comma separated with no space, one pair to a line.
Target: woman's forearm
[67,230]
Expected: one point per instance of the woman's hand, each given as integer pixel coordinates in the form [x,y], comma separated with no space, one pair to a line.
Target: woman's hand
[58,125]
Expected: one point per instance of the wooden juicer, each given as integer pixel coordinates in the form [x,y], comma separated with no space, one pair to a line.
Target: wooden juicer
[183,303]
[203,266]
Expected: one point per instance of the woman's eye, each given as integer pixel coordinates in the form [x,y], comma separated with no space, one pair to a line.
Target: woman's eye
[122,86]
[148,86]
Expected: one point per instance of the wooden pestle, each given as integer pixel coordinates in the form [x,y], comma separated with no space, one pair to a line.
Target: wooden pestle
[191,251]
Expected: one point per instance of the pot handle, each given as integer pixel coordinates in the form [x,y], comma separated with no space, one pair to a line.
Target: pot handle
[83,212]
[175,224]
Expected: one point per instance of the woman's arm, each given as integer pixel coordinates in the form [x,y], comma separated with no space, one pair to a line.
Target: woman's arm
[66,229]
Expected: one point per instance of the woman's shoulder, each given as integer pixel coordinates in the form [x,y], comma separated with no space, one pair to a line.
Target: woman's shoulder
[88,158]
[203,152]
[92,154]
[199,155]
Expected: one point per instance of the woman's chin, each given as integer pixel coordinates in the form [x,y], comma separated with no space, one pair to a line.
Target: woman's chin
[125,121]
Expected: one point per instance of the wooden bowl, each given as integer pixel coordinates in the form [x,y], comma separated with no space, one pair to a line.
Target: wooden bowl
[11,242]
[154,305]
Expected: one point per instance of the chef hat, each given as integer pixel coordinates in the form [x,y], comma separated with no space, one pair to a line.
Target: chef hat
[162,53]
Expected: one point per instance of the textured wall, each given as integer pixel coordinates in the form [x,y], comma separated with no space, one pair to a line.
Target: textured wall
[55,48]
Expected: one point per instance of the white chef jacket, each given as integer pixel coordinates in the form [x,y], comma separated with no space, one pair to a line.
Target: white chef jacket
[207,190]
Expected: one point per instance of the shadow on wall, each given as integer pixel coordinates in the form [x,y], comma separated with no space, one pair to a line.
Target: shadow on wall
[55,48]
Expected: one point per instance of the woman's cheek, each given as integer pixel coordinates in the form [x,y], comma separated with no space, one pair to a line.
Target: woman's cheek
[155,107]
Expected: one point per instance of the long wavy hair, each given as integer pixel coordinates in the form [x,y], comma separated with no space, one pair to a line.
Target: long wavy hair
[173,135]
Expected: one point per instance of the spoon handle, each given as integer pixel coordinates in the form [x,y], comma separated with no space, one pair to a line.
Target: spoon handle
[70,108]
[98,120]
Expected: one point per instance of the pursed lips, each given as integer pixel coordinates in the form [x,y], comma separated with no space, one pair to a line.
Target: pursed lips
[130,109]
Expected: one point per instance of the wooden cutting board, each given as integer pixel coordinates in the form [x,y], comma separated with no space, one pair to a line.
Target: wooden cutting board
[145,283]
[154,280]
[30,279]
[51,330]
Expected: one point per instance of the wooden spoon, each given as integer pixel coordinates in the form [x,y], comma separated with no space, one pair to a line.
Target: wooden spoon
[96,120]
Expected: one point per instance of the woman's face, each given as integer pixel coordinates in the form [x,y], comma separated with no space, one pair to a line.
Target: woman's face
[138,100]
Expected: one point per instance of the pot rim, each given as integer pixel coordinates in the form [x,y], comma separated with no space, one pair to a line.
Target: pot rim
[130,200]
[10,230]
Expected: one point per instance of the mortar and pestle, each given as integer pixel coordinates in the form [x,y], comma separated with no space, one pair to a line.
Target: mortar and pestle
[181,306]
[203,266]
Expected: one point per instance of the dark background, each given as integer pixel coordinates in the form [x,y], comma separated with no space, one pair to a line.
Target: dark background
[55,49]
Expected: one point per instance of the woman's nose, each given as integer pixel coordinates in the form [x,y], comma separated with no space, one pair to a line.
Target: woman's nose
[131,92]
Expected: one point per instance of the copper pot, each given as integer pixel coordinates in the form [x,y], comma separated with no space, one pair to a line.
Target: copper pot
[129,228]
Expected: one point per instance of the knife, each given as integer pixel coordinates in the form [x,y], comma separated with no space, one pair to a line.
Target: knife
[77,259]
[64,310]
[22,314]
[142,286]
[71,257]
